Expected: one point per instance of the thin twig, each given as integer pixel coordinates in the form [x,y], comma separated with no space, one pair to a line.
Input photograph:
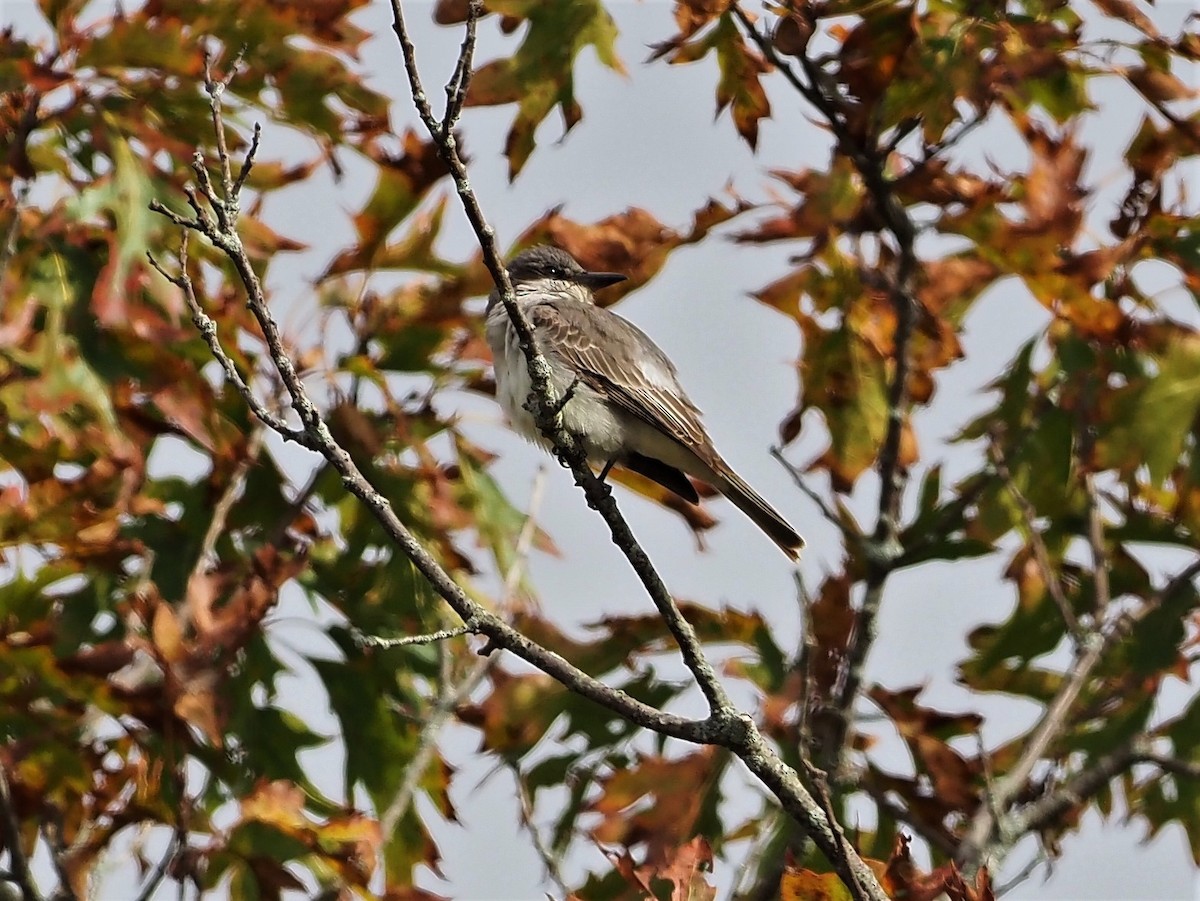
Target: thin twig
[802,483]
[933,837]
[456,87]
[52,834]
[376,641]
[1040,553]
[808,649]
[947,141]
[1041,858]
[1075,791]
[178,841]
[208,330]
[549,860]
[451,696]
[524,539]
[1188,769]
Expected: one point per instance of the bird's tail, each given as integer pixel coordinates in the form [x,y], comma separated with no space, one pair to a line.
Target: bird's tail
[762,514]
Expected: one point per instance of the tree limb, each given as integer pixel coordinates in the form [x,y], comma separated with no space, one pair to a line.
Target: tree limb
[725,725]
[543,401]
[884,548]
[978,843]
[10,829]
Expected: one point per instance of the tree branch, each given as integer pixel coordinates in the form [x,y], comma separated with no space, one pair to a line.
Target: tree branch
[543,402]
[10,829]
[315,435]
[884,548]
[725,725]
[981,841]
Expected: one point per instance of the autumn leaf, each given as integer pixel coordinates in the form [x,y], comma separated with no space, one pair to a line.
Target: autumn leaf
[539,76]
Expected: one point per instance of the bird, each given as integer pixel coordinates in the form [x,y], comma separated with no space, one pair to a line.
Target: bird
[623,399]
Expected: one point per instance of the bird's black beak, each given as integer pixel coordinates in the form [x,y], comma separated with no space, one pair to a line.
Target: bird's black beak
[598,280]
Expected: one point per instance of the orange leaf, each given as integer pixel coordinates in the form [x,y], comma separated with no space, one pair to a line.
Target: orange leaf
[167,633]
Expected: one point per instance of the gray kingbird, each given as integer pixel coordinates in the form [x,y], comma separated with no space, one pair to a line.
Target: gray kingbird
[626,404]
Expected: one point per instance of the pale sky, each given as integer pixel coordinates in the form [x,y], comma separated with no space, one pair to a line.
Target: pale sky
[649,140]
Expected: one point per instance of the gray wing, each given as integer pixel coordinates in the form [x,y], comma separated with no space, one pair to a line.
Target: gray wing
[619,360]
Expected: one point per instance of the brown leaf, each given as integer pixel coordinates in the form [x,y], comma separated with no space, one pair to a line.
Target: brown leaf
[167,633]
[1129,11]
[1159,86]
[683,866]
[678,788]
[833,622]
[792,33]
[945,282]
[517,712]
[871,54]
[692,15]
[1052,189]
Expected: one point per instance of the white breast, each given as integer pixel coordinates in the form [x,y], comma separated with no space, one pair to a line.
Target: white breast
[586,415]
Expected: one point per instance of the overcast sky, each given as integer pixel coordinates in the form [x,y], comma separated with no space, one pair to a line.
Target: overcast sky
[649,140]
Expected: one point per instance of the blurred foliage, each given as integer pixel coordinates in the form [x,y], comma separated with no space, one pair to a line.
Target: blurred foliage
[148,532]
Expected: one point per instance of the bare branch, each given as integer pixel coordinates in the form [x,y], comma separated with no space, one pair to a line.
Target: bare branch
[227,211]
[512,578]
[1040,859]
[376,641]
[208,330]
[544,402]
[842,847]
[1076,790]
[452,695]
[456,87]
[800,482]
[884,548]
[52,834]
[315,435]
[550,861]
[935,839]
[738,730]
[1044,734]
[725,725]
[978,844]
[1188,769]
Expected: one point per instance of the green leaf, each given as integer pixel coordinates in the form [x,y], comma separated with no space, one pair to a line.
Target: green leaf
[844,378]
[540,75]
[1153,419]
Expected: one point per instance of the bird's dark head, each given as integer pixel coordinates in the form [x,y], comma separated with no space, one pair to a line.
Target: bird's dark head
[551,267]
